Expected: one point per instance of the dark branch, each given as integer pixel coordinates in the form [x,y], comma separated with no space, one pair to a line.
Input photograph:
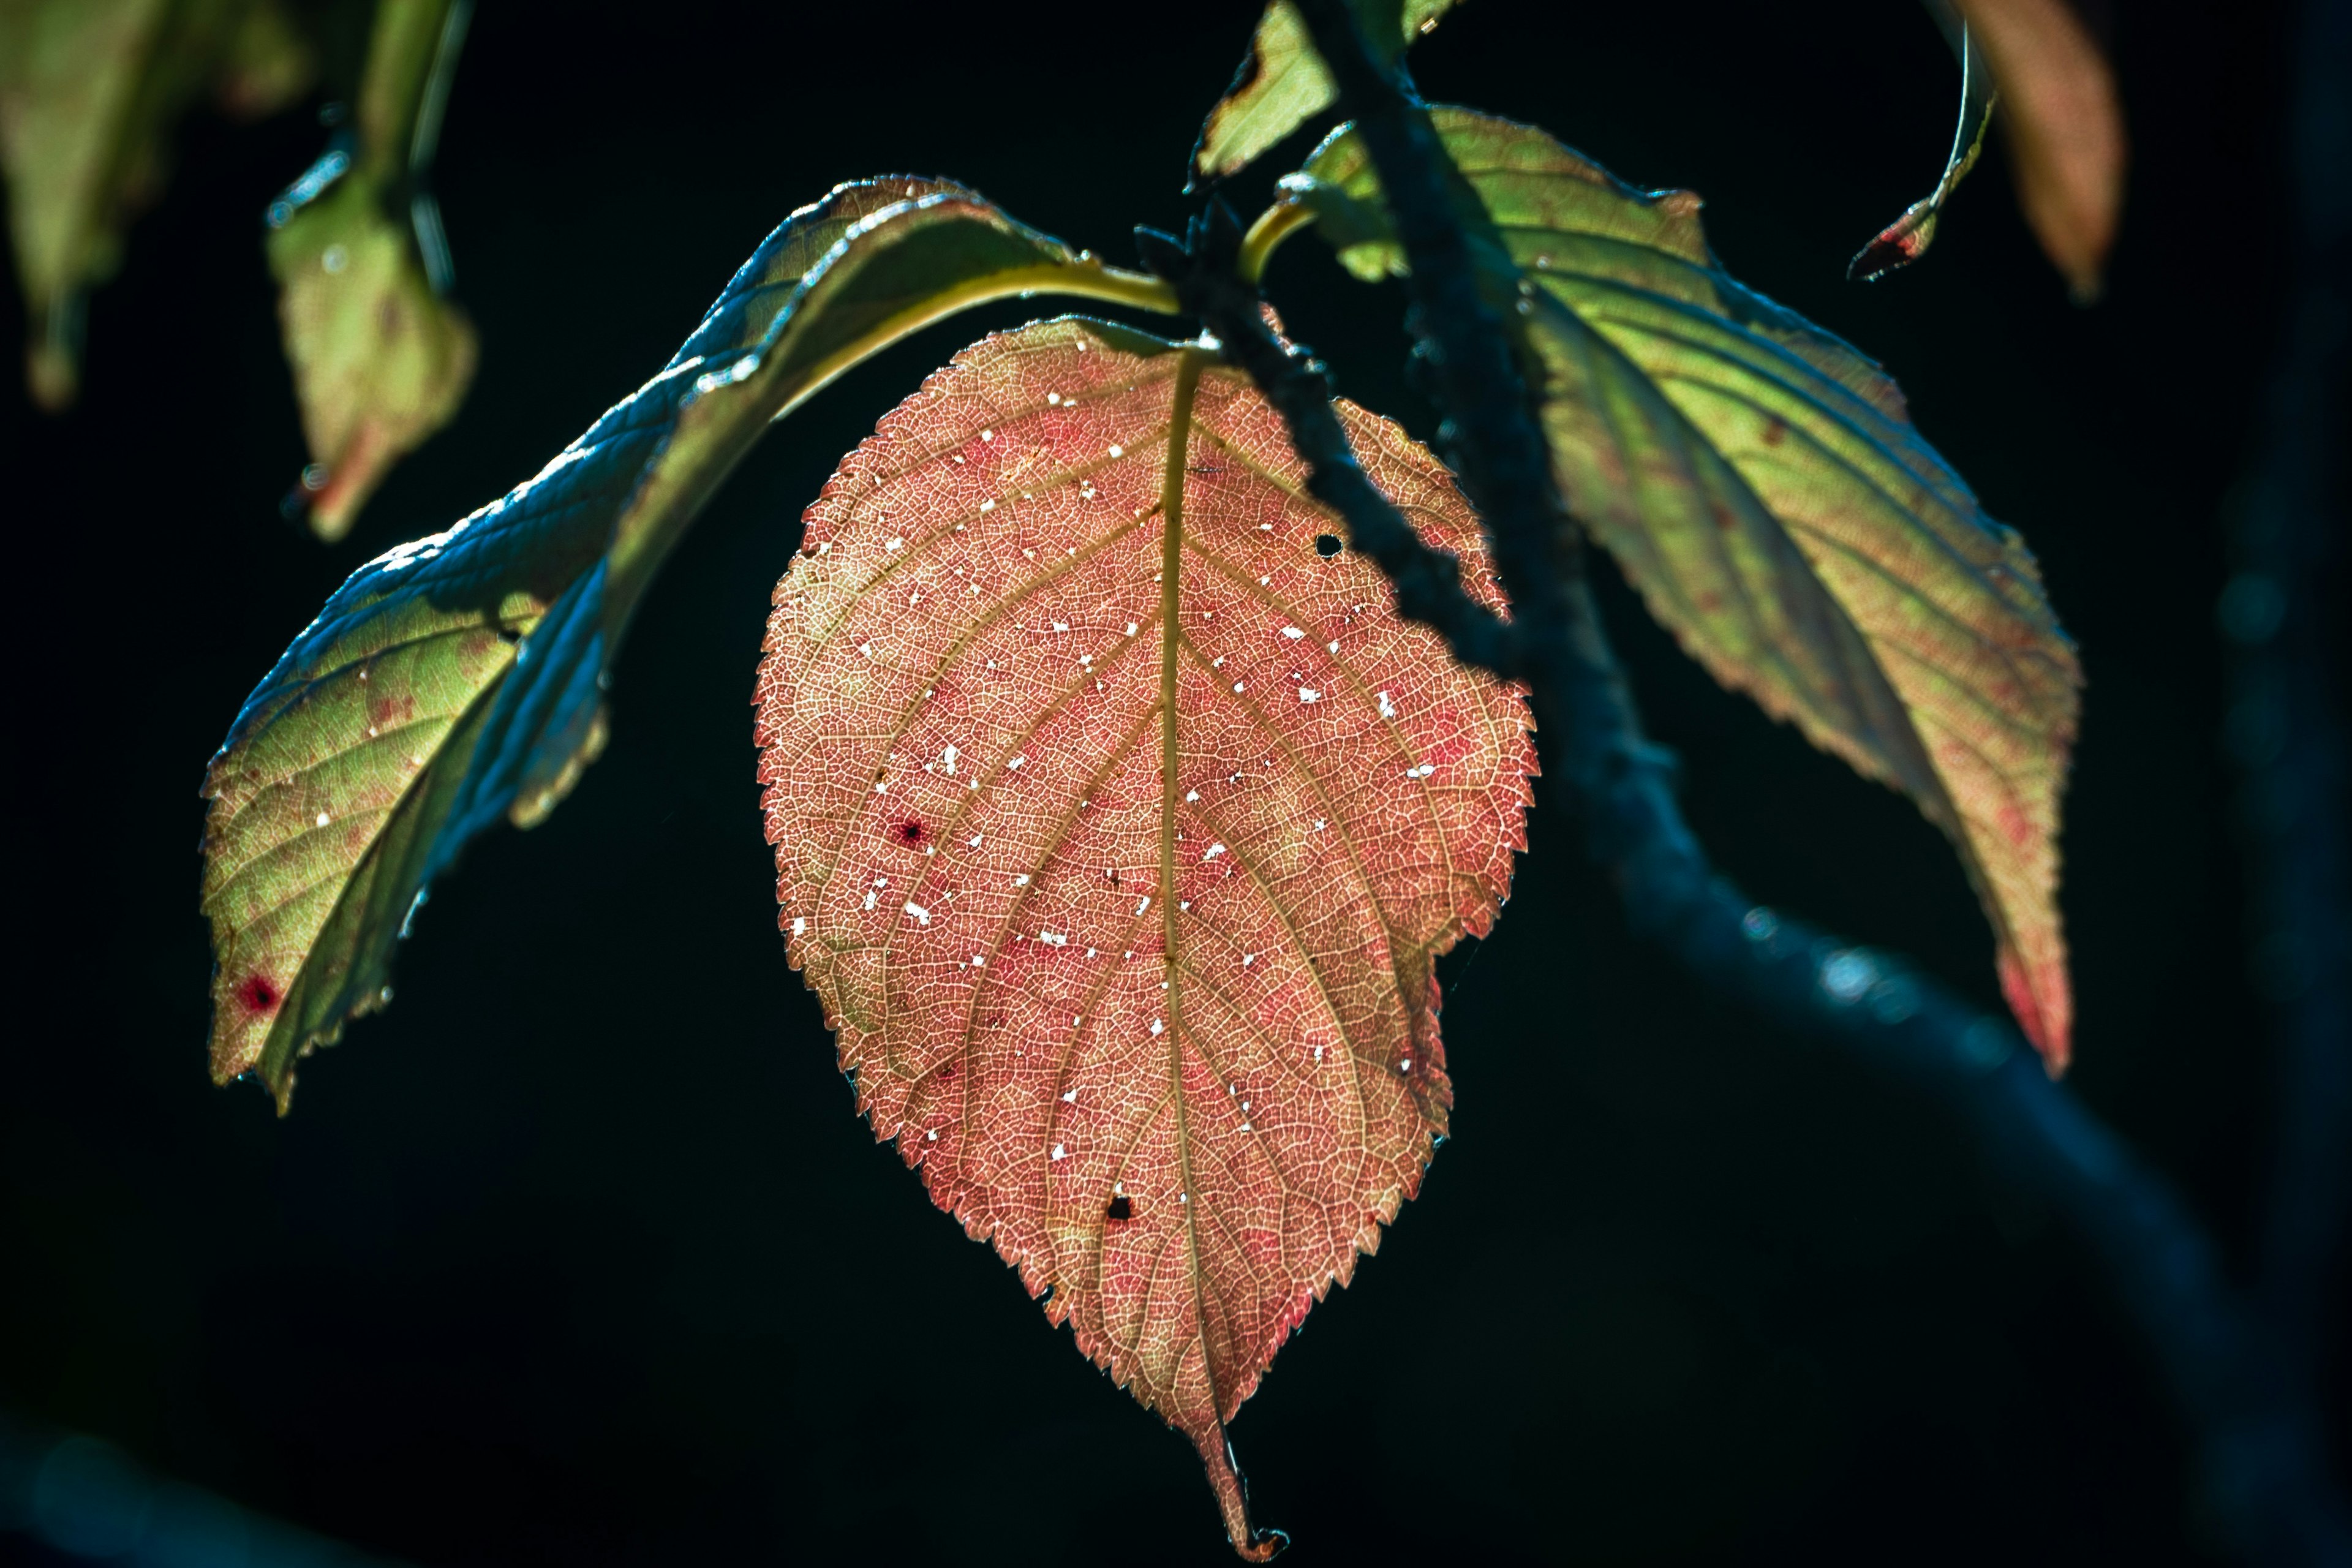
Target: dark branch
[2261,1457]
[1428,582]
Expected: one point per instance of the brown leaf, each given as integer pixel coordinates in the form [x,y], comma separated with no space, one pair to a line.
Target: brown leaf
[1118,827]
[2065,134]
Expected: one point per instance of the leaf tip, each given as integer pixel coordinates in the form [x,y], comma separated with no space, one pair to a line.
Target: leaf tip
[2042,1004]
[1896,247]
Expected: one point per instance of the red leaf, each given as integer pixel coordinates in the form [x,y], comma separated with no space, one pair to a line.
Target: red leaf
[1129,937]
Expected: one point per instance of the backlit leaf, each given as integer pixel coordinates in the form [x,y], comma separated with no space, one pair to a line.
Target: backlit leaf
[380,360]
[458,679]
[1283,82]
[1763,487]
[89,92]
[2065,124]
[1118,827]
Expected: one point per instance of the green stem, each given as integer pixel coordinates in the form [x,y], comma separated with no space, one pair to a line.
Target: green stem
[1273,226]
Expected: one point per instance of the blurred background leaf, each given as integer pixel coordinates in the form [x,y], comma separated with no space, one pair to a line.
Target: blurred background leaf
[2065,129]
[90,92]
[380,357]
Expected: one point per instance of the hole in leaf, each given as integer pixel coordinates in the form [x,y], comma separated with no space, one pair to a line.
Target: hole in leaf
[1119,1208]
[1326,545]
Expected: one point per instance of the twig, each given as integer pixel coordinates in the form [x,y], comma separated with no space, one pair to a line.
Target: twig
[1428,582]
[2261,1456]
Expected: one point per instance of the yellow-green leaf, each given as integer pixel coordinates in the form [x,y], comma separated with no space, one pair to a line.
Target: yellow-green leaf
[90,90]
[380,361]
[1283,82]
[458,679]
[1764,488]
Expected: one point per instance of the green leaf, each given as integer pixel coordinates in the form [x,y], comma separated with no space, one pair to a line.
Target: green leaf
[380,360]
[1762,486]
[1283,82]
[458,679]
[380,363]
[90,91]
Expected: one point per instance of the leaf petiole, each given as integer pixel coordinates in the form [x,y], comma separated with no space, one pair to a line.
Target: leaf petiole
[1273,226]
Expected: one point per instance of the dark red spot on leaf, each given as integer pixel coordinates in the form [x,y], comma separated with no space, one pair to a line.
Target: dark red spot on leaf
[909,831]
[1776,430]
[258,994]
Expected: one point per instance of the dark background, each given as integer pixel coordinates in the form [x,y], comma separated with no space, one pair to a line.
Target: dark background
[579,1253]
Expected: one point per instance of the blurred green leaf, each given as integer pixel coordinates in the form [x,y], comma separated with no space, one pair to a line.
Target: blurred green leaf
[460,678]
[89,92]
[380,360]
[1762,486]
[1283,82]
